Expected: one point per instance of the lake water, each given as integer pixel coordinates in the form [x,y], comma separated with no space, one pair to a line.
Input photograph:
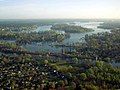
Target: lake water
[74,37]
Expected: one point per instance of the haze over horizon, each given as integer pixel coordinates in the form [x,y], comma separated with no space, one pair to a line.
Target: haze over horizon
[47,9]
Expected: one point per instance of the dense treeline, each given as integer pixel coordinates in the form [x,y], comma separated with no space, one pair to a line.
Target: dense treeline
[70,28]
[10,45]
[24,72]
[110,25]
[47,36]
[105,46]
[18,27]
[24,38]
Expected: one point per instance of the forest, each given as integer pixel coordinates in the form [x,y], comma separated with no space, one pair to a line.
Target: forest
[87,68]
[70,28]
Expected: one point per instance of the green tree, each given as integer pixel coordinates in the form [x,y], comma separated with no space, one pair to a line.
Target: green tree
[83,76]
[46,62]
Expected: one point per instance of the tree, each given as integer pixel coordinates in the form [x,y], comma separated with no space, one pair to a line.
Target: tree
[99,63]
[46,62]
[75,60]
[83,76]
[91,87]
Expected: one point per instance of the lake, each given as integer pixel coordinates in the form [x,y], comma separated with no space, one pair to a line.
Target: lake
[74,37]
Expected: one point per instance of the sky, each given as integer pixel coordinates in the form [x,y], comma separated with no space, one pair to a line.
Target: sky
[54,9]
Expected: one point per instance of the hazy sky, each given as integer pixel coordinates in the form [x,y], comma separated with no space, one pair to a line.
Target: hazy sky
[35,9]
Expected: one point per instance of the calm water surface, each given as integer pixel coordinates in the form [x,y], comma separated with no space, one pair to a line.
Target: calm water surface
[74,37]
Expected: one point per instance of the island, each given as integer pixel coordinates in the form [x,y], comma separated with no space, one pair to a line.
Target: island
[110,25]
[70,28]
[18,27]
[25,38]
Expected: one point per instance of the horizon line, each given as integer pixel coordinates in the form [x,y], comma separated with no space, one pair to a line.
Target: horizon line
[59,18]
